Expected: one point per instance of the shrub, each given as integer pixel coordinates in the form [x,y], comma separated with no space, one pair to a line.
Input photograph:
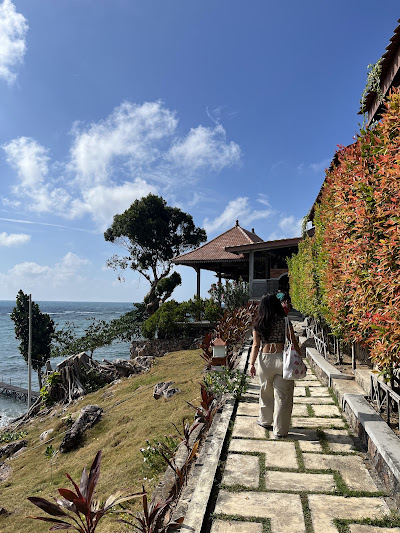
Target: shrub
[167,322]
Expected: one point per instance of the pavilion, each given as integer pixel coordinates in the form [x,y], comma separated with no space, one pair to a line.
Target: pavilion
[240,253]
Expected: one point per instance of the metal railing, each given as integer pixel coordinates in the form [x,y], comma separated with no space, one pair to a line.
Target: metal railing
[385,398]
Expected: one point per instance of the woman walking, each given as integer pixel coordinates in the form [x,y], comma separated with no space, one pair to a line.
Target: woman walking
[276,393]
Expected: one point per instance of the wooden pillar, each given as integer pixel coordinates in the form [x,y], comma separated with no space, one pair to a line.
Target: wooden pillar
[198,281]
[251,272]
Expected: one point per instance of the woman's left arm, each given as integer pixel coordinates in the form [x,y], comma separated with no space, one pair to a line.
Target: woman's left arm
[294,339]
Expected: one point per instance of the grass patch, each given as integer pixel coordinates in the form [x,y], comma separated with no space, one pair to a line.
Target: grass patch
[299,457]
[266,522]
[308,393]
[310,410]
[390,521]
[306,512]
[131,415]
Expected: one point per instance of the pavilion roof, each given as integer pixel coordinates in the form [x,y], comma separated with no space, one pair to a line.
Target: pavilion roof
[214,250]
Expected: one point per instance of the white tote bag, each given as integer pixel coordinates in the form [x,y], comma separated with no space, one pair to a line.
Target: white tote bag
[293,366]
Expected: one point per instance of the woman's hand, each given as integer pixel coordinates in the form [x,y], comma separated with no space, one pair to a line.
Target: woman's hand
[252,370]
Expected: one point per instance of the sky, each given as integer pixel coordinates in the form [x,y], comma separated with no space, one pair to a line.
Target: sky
[228,110]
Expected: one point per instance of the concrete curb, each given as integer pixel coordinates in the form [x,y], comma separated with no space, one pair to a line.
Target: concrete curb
[195,498]
[324,370]
[382,444]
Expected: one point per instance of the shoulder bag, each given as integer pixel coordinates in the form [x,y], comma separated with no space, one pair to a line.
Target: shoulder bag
[293,366]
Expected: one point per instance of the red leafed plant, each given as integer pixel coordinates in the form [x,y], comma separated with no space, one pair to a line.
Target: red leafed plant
[80,506]
[149,520]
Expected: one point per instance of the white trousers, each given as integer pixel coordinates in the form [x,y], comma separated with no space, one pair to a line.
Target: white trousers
[276,393]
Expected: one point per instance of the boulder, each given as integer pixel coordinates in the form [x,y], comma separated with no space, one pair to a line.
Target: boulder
[159,388]
[5,471]
[87,418]
[168,393]
[45,434]
[145,361]
[13,447]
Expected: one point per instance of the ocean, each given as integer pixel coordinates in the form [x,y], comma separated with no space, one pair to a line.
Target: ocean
[13,366]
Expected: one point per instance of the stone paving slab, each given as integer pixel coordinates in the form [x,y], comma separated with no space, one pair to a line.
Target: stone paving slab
[248,409]
[351,467]
[299,410]
[246,426]
[299,391]
[358,528]
[319,391]
[339,440]
[278,454]
[297,482]
[324,400]
[326,410]
[284,510]
[309,383]
[325,508]
[312,421]
[242,470]
[230,526]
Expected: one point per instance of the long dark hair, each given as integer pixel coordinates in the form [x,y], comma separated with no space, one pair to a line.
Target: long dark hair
[269,310]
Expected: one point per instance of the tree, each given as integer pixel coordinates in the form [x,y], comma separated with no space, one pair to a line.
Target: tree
[153,233]
[97,334]
[42,332]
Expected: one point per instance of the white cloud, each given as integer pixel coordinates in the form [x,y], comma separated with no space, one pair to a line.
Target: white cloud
[30,275]
[238,209]
[14,239]
[104,202]
[13,28]
[113,162]
[31,162]
[289,227]
[29,159]
[204,147]
[130,134]
[318,167]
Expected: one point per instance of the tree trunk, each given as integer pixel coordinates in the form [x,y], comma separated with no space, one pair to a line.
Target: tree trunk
[39,376]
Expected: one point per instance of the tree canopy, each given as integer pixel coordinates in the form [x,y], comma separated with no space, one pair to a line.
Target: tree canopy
[42,332]
[153,233]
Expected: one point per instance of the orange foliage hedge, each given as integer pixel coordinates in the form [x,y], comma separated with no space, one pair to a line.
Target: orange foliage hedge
[358,234]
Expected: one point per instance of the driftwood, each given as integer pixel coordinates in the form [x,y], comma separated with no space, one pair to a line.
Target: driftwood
[79,374]
[87,418]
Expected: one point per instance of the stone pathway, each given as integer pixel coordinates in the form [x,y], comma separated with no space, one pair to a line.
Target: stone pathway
[315,481]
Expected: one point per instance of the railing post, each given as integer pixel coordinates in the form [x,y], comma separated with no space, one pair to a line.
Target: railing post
[353,357]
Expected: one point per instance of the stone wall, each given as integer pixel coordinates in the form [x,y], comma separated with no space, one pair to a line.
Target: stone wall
[160,347]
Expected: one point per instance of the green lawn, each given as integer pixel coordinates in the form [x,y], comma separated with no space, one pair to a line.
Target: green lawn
[121,432]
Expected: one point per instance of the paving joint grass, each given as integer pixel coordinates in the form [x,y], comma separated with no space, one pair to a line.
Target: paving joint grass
[306,512]
[390,521]
[299,457]
[308,393]
[266,522]
[310,410]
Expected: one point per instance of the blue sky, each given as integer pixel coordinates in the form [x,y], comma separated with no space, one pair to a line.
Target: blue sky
[229,110]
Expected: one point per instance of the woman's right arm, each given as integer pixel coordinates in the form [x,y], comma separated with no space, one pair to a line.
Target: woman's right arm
[254,352]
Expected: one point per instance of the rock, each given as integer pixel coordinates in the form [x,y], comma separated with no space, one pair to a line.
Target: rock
[168,393]
[19,452]
[159,347]
[87,418]
[13,447]
[45,434]
[146,361]
[5,471]
[159,388]
[4,511]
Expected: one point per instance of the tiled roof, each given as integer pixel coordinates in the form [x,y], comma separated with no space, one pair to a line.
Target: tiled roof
[214,250]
